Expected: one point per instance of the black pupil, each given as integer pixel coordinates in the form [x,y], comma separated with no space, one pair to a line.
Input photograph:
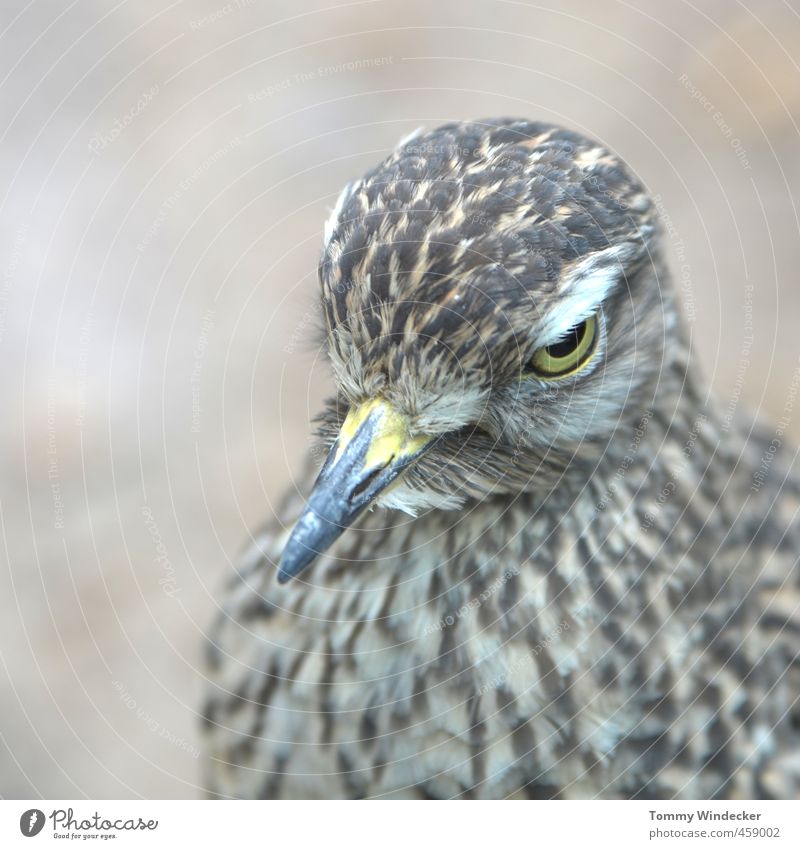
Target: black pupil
[568,343]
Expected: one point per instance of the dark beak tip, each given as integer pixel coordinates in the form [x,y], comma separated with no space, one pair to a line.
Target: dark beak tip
[291,567]
[343,490]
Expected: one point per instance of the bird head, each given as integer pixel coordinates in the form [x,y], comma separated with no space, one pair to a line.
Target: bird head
[493,309]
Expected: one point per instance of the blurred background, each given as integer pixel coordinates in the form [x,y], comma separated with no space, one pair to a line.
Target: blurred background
[165,173]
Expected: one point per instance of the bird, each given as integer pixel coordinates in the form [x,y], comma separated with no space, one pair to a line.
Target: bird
[530,554]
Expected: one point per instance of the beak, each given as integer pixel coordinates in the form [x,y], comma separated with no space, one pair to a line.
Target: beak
[373,448]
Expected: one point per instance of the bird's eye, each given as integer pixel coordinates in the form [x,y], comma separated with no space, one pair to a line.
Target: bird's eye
[569,354]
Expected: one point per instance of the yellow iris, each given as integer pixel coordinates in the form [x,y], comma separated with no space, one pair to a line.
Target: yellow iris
[569,354]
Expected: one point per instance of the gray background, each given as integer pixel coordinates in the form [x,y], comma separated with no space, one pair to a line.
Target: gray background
[158,368]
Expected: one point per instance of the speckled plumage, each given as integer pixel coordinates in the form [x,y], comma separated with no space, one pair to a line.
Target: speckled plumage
[586,588]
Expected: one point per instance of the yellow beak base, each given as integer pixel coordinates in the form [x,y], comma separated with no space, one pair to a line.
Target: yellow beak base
[373,448]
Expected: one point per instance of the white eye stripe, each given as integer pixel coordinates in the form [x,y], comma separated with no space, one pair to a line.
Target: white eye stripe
[584,289]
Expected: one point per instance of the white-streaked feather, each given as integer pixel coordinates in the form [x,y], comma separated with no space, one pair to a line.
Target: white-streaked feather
[333,218]
[586,285]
